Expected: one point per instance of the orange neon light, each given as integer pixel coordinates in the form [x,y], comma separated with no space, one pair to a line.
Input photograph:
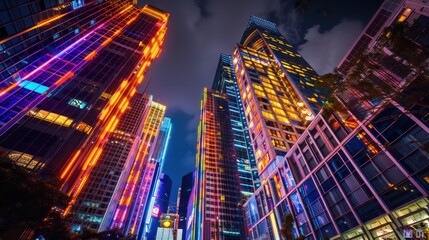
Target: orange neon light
[90,56]
[41,24]
[47,21]
[70,164]
[64,78]
[154,13]
[9,88]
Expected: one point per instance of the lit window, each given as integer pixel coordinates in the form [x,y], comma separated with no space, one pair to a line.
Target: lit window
[279,111]
[77,3]
[268,115]
[32,86]
[283,119]
[77,103]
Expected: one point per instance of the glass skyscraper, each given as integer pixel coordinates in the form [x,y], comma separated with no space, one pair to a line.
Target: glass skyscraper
[184,197]
[125,174]
[356,176]
[67,70]
[161,203]
[277,90]
[215,213]
[69,106]
[226,82]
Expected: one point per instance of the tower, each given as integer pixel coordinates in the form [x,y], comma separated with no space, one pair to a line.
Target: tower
[184,197]
[277,89]
[226,82]
[216,214]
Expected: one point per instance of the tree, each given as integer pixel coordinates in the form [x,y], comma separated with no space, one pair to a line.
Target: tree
[26,200]
[369,82]
[111,234]
[287,226]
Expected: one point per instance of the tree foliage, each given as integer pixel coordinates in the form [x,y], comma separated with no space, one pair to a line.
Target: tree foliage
[396,68]
[27,201]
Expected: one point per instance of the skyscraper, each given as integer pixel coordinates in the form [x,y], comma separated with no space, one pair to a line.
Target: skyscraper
[184,197]
[226,82]
[277,92]
[121,179]
[68,73]
[216,214]
[354,177]
[160,206]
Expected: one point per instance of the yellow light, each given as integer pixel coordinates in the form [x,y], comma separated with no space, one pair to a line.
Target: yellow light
[166,224]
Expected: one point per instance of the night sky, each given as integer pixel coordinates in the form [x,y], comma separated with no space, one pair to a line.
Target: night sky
[199,30]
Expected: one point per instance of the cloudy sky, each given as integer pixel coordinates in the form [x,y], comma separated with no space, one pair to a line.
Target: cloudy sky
[199,30]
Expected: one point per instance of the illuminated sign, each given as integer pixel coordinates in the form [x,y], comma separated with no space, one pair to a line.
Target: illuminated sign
[155,211]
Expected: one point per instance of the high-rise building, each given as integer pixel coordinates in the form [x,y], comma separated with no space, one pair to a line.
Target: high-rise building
[184,196]
[354,177]
[115,192]
[226,82]
[277,90]
[158,188]
[215,213]
[68,71]
[161,203]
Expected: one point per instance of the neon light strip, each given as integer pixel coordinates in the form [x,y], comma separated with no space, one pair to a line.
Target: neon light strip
[47,62]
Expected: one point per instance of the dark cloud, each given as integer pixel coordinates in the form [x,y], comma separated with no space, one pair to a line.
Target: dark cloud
[325,50]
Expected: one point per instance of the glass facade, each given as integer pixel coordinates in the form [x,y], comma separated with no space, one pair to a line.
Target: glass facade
[184,198]
[355,191]
[124,179]
[69,109]
[358,174]
[226,82]
[215,212]
[277,92]
[58,85]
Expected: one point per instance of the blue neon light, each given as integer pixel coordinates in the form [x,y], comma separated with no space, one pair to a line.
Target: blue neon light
[39,88]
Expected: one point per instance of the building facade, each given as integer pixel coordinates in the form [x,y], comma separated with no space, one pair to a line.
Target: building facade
[66,71]
[362,173]
[277,90]
[115,193]
[226,82]
[161,203]
[215,212]
[183,198]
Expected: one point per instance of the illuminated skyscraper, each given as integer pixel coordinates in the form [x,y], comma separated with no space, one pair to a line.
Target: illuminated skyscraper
[68,72]
[115,193]
[277,92]
[215,213]
[160,206]
[184,198]
[226,82]
[359,174]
